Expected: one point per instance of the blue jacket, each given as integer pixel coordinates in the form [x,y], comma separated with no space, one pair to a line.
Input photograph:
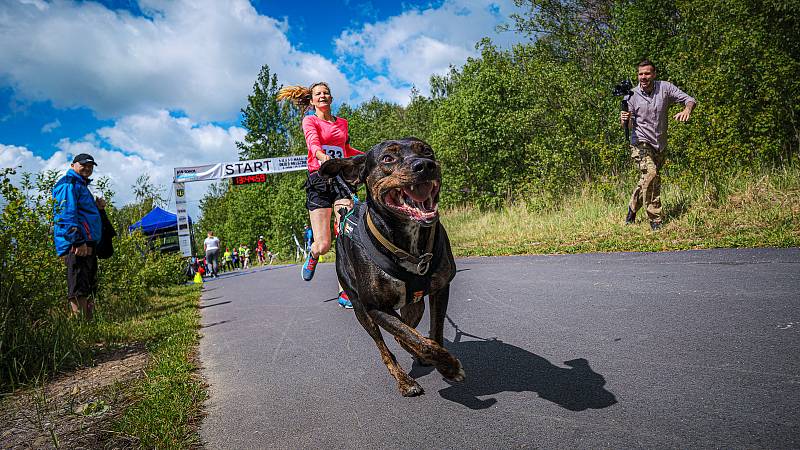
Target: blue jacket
[76,217]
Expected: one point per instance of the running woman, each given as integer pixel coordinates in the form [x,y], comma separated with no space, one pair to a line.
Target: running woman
[326,137]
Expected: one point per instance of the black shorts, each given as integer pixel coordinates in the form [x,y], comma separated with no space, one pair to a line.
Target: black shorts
[81,275]
[323,194]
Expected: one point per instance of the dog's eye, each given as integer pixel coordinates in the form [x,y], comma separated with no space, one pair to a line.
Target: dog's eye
[388,159]
[426,152]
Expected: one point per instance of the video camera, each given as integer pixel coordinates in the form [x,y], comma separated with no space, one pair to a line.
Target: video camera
[624,89]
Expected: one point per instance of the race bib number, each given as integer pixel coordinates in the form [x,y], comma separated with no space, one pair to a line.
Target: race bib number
[333,151]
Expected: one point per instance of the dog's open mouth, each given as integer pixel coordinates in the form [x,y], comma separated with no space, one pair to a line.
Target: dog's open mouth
[419,201]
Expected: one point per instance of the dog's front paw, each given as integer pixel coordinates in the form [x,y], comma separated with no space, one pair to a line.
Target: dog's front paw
[423,362]
[453,373]
[410,389]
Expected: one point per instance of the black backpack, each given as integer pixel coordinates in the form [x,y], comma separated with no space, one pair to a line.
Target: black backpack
[105,248]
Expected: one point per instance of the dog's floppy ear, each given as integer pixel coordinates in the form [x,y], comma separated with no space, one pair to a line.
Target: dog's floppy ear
[351,169]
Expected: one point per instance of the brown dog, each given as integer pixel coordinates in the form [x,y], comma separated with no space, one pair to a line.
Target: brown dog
[392,251]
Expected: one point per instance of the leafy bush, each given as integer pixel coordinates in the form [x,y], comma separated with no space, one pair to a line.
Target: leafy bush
[531,124]
[36,335]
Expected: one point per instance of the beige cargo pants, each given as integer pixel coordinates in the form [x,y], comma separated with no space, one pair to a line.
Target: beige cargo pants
[648,190]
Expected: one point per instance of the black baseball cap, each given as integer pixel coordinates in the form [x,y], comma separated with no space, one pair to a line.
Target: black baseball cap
[83,158]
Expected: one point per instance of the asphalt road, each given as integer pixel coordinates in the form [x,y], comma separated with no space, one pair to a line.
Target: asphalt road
[646,350]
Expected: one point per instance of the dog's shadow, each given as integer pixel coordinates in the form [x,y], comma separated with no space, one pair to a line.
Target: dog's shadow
[493,366]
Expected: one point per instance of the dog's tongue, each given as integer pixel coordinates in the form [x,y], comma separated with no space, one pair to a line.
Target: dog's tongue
[419,192]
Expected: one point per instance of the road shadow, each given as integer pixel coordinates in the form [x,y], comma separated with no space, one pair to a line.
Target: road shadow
[493,366]
[213,304]
[213,324]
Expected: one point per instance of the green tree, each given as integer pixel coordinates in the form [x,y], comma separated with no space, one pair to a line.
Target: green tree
[372,122]
[268,122]
[274,209]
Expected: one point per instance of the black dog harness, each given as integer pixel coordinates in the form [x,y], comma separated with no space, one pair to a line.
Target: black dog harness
[412,270]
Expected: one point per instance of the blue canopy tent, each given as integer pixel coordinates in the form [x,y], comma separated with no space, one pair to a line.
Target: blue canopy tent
[159,223]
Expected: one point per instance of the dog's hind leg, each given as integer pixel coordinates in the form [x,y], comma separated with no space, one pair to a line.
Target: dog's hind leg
[438,300]
[407,385]
[424,348]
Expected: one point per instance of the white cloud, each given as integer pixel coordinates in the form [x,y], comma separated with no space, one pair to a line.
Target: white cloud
[154,144]
[411,47]
[50,126]
[23,160]
[196,56]
[161,138]
[201,57]
[141,144]
[382,88]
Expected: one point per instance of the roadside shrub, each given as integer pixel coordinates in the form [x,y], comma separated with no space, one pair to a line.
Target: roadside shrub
[34,332]
[36,335]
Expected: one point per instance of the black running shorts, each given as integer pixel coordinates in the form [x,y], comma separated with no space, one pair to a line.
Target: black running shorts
[322,194]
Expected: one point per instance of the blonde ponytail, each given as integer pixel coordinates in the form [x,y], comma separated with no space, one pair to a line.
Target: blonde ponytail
[300,96]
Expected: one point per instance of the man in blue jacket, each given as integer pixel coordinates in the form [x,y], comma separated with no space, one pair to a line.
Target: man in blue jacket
[77,231]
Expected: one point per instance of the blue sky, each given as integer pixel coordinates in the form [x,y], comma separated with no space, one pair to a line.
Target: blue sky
[148,85]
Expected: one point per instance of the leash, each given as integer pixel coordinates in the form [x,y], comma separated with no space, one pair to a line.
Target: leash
[343,187]
[346,188]
[460,332]
[422,262]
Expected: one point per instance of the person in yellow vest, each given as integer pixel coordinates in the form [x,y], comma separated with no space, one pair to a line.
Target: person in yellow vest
[227,262]
[244,252]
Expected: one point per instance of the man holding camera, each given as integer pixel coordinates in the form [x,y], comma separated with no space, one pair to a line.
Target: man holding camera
[648,106]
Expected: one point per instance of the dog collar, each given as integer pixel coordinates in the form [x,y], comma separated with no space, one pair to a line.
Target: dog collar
[419,264]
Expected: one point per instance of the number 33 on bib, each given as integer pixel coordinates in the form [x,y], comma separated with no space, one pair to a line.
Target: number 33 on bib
[333,151]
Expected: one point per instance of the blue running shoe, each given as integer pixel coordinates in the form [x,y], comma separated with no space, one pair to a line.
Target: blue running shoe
[309,267]
[344,301]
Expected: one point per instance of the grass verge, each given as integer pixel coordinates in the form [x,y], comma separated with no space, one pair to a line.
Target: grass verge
[742,210]
[141,391]
[168,400]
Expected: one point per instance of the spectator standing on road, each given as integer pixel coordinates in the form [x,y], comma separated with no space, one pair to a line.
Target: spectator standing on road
[77,230]
[235,257]
[308,235]
[327,136]
[260,248]
[226,260]
[244,253]
[647,118]
[211,247]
